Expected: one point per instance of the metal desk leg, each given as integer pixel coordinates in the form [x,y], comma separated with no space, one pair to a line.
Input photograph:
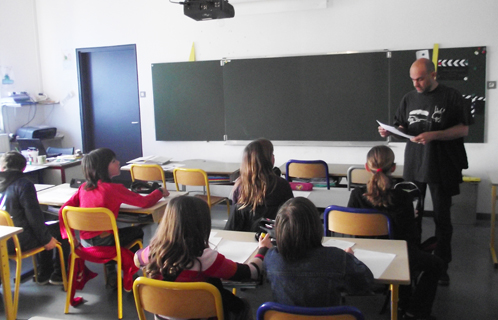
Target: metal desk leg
[5,274]
[493,221]
[394,301]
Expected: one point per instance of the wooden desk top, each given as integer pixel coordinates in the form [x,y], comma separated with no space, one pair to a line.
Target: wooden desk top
[7,232]
[323,198]
[210,166]
[397,272]
[60,194]
[493,177]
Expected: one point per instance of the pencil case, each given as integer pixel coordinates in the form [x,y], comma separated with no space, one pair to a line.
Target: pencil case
[301,186]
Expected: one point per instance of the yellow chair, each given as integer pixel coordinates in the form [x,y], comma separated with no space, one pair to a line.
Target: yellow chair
[198,177]
[6,220]
[356,222]
[186,300]
[147,172]
[93,219]
[357,176]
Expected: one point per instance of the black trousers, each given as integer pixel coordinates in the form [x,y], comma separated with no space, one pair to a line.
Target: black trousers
[425,269]
[441,200]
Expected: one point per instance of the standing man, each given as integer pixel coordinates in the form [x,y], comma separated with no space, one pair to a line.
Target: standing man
[438,117]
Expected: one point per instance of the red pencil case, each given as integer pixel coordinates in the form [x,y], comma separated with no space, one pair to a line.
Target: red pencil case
[301,186]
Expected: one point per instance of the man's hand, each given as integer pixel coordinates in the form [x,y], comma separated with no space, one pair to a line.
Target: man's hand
[425,137]
[51,244]
[383,132]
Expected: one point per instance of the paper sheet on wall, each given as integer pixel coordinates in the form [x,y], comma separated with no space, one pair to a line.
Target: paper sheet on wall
[236,250]
[376,261]
[394,130]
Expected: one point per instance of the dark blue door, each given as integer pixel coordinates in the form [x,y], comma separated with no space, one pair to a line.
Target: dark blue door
[110,100]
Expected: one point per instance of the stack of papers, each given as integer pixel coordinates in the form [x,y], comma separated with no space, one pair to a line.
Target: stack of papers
[150,160]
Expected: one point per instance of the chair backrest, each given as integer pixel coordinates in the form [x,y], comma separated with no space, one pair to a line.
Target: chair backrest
[357,175]
[307,169]
[356,222]
[6,220]
[89,219]
[186,300]
[62,151]
[191,177]
[277,311]
[147,172]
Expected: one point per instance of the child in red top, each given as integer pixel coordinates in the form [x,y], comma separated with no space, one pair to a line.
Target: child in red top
[99,166]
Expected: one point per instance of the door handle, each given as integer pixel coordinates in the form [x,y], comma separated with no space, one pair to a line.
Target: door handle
[134,122]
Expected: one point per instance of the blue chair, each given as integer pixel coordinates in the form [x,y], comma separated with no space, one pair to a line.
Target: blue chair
[277,311]
[356,222]
[307,169]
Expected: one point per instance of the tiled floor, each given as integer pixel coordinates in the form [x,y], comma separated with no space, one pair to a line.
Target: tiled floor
[472,294]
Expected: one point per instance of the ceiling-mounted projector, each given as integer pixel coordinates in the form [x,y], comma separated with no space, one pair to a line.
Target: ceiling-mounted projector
[208,9]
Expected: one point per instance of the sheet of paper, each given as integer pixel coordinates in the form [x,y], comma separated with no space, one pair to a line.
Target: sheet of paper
[304,194]
[214,242]
[171,166]
[394,130]
[151,159]
[236,250]
[341,244]
[377,262]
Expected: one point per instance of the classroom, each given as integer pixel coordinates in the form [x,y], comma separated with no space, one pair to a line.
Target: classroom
[39,39]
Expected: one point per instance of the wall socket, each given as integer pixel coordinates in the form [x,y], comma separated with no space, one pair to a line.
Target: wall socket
[491,84]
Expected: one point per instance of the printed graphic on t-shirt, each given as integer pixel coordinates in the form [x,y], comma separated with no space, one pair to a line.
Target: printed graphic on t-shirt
[418,115]
[437,115]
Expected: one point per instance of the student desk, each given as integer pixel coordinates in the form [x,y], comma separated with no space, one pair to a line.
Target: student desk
[322,198]
[397,273]
[212,168]
[493,177]
[56,172]
[60,194]
[5,234]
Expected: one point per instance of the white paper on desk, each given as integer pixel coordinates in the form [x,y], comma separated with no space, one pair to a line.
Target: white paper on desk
[151,159]
[171,166]
[214,242]
[394,130]
[341,244]
[304,194]
[376,261]
[237,251]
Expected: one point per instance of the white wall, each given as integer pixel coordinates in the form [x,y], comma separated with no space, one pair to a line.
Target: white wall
[19,57]
[163,34]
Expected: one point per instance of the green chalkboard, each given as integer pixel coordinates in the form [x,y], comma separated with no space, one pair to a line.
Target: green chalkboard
[334,97]
[188,101]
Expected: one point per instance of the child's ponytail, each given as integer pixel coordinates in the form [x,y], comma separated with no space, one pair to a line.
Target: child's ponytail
[380,160]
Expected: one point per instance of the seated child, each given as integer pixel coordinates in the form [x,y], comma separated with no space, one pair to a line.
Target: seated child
[99,166]
[304,273]
[180,251]
[18,198]
[258,192]
[380,195]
